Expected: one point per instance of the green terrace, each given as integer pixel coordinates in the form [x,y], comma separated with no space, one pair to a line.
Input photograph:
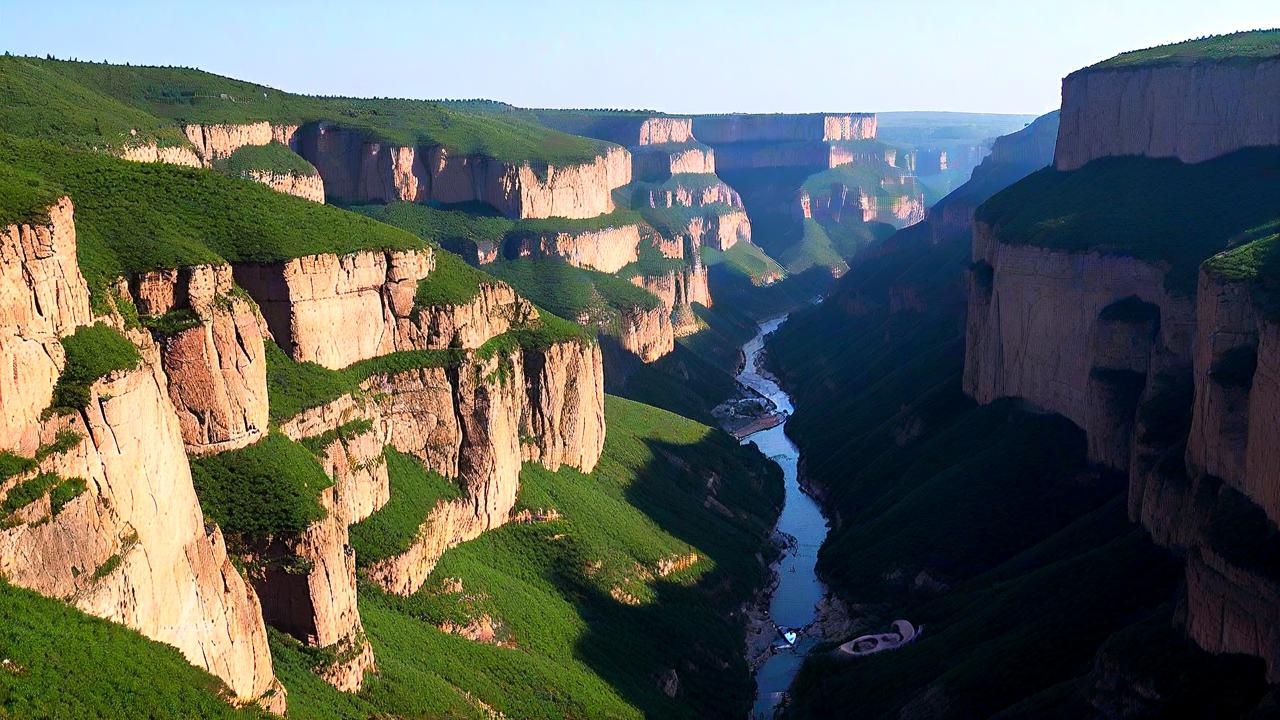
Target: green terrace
[1156,210]
[572,292]
[393,528]
[554,590]
[186,95]
[1248,46]
[133,217]
[272,157]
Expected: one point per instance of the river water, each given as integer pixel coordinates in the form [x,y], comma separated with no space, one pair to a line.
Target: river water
[799,590]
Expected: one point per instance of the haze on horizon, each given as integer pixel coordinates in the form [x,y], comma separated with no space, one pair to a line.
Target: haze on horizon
[680,57]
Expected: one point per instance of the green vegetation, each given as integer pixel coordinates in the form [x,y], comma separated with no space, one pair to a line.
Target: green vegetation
[1160,211]
[36,101]
[452,282]
[92,351]
[747,260]
[347,430]
[24,197]
[64,492]
[415,492]
[547,586]
[189,95]
[172,322]
[264,490]
[272,157]
[28,491]
[573,292]
[1248,46]
[63,664]
[1256,262]
[294,386]
[132,217]
[1036,540]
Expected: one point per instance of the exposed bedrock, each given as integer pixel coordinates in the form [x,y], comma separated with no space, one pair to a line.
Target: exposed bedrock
[334,310]
[1071,333]
[660,162]
[678,290]
[647,332]
[756,128]
[214,142]
[475,423]
[42,297]
[688,196]
[1191,113]
[839,202]
[175,155]
[719,230]
[607,249]
[134,547]
[358,169]
[659,130]
[307,187]
[216,367]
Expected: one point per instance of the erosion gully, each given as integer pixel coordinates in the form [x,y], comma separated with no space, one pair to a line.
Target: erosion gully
[802,526]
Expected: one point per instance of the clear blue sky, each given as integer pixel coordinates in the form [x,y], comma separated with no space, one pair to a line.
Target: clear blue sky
[689,56]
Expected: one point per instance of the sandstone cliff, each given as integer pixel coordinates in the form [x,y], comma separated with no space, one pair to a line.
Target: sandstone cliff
[607,249]
[214,142]
[214,362]
[1191,113]
[358,169]
[307,187]
[132,547]
[176,155]
[757,128]
[678,290]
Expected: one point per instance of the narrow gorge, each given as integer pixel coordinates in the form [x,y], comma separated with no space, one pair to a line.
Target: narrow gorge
[340,408]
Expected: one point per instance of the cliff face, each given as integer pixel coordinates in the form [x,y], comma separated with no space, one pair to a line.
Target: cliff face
[839,201]
[214,142]
[647,333]
[607,250]
[678,290]
[42,297]
[475,423]
[1191,113]
[307,187]
[216,368]
[757,128]
[335,310]
[171,155]
[356,169]
[720,230]
[132,547]
[658,130]
[1072,333]
[661,162]
[685,196]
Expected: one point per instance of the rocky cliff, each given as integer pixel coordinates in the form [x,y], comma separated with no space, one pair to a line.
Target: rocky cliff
[335,310]
[658,162]
[1192,113]
[213,355]
[356,168]
[647,332]
[757,128]
[308,187]
[607,249]
[214,142]
[659,130]
[678,289]
[132,545]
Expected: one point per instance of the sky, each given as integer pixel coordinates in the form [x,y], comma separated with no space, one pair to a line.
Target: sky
[679,57]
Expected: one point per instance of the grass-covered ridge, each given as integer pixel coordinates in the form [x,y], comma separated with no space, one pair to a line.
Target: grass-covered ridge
[392,529]
[272,157]
[25,197]
[186,95]
[1157,210]
[37,101]
[576,650]
[572,292]
[268,489]
[1249,46]
[133,217]
[63,664]
[92,352]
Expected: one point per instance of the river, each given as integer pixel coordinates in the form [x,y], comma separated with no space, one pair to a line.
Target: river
[798,590]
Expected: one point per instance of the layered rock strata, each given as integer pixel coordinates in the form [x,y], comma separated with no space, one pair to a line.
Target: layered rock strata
[307,187]
[607,249]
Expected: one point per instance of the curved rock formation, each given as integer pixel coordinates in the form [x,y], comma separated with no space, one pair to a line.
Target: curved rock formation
[1191,113]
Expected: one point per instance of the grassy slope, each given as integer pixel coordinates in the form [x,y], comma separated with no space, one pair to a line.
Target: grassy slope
[189,95]
[1252,45]
[272,157]
[62,664]
[132,217]
[1155,210]
[579,652]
